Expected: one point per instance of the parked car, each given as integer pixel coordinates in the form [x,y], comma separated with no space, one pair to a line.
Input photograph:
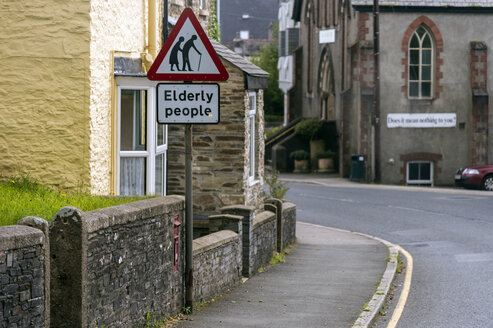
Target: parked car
[478,176]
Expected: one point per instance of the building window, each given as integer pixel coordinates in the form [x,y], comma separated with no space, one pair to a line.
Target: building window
[252,117]
[244,35]
[203,4]
[420,172]
[142,144]
[421,64]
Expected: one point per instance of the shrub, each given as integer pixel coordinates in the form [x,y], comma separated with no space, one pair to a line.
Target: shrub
[309,129]
[277,189]
[325,154]
[299,155]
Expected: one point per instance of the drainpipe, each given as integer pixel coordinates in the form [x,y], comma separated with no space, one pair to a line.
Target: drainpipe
[151,26]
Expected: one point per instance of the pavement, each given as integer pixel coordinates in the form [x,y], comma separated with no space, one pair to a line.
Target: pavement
[331,278]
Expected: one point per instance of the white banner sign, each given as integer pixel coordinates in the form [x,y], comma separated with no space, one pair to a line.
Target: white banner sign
[327,36]
[446,120]
[188,103]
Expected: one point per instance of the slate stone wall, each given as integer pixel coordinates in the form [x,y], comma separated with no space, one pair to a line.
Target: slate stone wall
[22,295]
[113,266]
[217,264]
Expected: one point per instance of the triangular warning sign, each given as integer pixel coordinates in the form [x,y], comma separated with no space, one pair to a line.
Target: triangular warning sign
[187,54]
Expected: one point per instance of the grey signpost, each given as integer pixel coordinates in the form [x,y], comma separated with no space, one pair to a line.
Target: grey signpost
[188,55]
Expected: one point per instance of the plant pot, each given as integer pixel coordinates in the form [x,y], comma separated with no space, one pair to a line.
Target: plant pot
[301,166]
[325,165]
[315,146]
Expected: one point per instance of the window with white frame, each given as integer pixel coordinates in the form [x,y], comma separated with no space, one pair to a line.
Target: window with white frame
[142,144]
[203,4]
[421,64]
[252,116]
[420,172]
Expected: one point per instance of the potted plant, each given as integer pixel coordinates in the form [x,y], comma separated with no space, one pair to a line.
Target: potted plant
[300,158]
[325,161]
[310,130]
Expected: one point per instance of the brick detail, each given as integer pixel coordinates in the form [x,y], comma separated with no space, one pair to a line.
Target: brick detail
[421,156]
[437,36]
[479,61]
[363,29]
[480,102]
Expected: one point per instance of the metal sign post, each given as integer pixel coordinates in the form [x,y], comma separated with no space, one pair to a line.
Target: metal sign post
[188,219]
[181,59]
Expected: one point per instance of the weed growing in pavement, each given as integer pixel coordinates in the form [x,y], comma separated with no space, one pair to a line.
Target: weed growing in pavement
[152,322]
[277,258]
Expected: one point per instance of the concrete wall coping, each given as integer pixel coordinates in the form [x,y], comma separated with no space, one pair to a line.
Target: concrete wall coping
[288,205]
[19,236]
[214,240]
[263,218]
[225,216]
[121,214]
[238,207]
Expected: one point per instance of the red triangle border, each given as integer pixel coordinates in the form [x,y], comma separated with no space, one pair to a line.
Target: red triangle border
[154,76]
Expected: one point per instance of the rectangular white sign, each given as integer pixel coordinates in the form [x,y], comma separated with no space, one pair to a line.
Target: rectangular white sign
[327,36]
[180,103]
[428,120]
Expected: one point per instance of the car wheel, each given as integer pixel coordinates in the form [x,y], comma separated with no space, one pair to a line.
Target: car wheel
[487,183]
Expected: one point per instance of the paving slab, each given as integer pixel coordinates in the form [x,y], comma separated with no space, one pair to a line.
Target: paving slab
[325,282]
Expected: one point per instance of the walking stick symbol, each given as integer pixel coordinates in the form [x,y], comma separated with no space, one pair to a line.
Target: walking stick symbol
[200,59]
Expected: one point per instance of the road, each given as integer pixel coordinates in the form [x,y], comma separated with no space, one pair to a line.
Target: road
[450,237]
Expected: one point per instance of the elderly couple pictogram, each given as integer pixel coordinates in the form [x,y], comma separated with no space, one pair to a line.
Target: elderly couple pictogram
[185,51]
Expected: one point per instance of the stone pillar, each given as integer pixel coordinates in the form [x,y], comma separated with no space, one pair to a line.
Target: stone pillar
[480,102]
[275,205]
[67,269]
[248,214]
[42,225]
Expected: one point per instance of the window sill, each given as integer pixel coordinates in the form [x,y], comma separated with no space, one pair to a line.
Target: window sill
[252,182]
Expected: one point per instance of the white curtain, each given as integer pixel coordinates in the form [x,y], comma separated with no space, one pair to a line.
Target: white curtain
[132,176]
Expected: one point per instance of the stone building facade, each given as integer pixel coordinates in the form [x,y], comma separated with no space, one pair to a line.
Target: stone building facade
[228,158]
[433,112]
[434,105]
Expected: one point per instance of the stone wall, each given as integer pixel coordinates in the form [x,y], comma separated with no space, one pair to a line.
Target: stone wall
[22,294]
[216,264]
[113,266]
[116,265]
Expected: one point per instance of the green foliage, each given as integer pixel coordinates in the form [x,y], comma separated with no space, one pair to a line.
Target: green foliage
[325,154]
[274,118]
[277,189]
[299,155]
[21,197]
[277,258]
[309,128]
[214,30]
[267,59]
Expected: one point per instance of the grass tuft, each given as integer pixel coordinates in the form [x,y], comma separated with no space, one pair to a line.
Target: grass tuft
[21,197]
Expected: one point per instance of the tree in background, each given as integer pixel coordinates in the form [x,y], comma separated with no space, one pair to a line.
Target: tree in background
[267,59]
[214,32]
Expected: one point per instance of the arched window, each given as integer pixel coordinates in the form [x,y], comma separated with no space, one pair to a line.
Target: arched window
[421,64]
